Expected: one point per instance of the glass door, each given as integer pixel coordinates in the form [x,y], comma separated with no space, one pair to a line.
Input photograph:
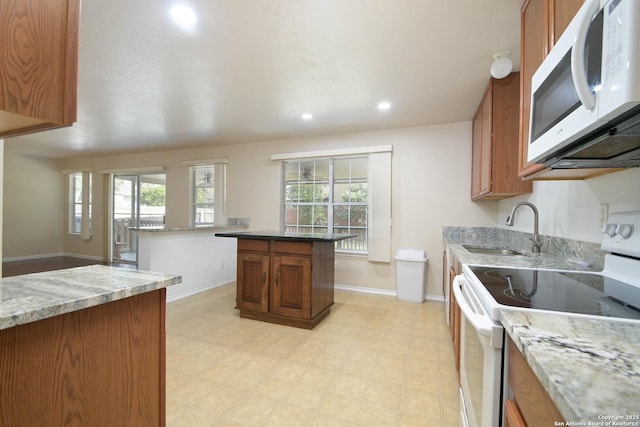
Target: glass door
[138,202]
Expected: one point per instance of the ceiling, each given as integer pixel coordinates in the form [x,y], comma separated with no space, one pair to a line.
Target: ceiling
[250,68]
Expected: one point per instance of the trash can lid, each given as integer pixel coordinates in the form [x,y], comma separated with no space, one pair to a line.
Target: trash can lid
[416,255]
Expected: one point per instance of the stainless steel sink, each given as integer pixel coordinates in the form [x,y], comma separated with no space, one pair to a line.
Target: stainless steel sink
[487,250]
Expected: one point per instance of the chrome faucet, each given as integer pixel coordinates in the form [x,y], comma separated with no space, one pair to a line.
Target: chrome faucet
[537,243]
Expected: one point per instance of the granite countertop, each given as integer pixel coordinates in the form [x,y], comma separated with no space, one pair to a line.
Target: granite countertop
[557,254]
[210,228]
[32,297]
[590,368]
[284,235]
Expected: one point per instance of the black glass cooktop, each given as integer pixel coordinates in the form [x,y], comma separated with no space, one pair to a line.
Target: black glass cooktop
[582,293]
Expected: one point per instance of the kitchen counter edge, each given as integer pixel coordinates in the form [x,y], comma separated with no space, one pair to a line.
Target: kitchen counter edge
[32,297]
[287,236]
[589,367]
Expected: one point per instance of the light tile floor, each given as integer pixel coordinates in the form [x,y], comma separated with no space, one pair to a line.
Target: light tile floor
[374,361]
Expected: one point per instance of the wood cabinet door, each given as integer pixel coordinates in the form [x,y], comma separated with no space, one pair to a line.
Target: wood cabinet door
[534,46]
[38,65]
[535,405]
[253,282]
[476,153]
[291,288]
[455,325]
[512,416]
[562,12]
[486,166]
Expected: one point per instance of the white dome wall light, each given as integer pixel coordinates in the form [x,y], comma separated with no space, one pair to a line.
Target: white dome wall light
[502,65]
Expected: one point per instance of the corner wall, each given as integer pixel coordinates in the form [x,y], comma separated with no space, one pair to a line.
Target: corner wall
[33,202]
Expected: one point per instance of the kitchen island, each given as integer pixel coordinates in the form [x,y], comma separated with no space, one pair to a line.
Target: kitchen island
[83,346]
[285,278]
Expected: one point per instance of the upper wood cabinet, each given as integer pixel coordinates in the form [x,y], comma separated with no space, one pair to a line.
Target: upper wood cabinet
[494,173]
[542,24]
[38,65]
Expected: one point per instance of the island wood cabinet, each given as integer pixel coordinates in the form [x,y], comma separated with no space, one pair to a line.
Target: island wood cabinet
[495,142]
[531,404]
[285,282]
[99,366]
[542,24]
[38,65]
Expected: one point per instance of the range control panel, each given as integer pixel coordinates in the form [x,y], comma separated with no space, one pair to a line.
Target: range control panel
[622,233]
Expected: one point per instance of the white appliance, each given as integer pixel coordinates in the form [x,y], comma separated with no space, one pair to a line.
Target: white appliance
[585,96]
[483,291]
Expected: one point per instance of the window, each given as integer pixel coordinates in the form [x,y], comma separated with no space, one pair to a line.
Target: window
[80,203]
[208,194]
[328,196]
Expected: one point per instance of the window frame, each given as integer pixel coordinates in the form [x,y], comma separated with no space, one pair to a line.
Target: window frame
[329,205]
[219,186]
[83,180]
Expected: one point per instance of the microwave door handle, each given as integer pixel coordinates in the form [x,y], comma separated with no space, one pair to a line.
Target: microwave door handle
[578,72]
[481,323]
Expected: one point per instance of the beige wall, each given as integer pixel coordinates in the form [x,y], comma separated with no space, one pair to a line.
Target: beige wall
[571,209]
[431,186]
[33,206]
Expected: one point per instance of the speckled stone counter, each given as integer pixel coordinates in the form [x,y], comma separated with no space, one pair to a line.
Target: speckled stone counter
[32,297]
[590,368]
[557,253]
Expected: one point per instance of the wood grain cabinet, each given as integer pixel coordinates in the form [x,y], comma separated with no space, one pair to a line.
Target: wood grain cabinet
[531,404]
[285,282]
[99,366]
[38,65]
[495,142]
[542,24]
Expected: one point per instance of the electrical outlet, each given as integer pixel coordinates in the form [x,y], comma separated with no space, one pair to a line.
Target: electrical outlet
[604,214]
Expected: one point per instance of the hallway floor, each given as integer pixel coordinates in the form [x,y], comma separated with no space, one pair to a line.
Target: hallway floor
[374,361]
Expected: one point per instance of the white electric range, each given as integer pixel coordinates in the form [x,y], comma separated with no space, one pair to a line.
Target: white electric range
[483,291]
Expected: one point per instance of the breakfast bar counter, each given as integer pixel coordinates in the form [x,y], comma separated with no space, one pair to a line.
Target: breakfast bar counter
[83,346]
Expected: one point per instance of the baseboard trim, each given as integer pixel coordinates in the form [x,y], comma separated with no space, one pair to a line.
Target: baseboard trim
[386,292]
[30,257]
[193,291]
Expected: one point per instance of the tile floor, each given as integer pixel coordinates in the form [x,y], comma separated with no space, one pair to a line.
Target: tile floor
[374,361]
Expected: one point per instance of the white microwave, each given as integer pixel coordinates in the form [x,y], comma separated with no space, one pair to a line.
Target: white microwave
[585,96]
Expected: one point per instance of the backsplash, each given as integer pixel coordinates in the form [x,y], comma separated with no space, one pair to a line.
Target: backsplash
[572,250]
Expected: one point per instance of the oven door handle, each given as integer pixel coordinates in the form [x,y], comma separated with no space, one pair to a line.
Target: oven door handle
[481,322]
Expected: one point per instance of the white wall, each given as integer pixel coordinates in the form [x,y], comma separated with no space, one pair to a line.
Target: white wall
[33,205]
[431,186]
[571,209]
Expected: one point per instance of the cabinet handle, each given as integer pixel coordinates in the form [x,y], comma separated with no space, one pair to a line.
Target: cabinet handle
[277,278]
[264,277]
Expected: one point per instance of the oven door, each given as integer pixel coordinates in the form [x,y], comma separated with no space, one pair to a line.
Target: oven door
[480,360]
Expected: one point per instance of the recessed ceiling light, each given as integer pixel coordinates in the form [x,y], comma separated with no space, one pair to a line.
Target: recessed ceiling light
[307,116]
[184,16]
[384,105]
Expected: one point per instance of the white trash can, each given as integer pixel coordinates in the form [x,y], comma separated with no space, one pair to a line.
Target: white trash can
[411,265]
